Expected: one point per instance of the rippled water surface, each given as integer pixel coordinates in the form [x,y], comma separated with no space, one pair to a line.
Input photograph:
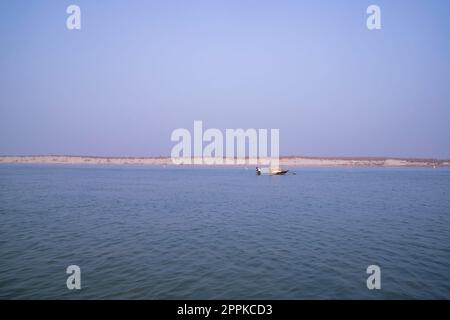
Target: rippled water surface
[153,232]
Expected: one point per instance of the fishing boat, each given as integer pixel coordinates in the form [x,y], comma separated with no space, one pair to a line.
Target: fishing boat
[270,171]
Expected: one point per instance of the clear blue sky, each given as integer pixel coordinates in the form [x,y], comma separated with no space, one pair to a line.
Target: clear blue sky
[139,69]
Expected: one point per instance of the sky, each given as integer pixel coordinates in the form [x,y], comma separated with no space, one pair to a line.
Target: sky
[137,70]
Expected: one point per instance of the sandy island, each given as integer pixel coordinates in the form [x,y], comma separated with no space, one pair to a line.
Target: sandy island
[294,161]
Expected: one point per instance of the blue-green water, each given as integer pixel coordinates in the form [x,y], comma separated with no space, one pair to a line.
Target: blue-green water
[153,232]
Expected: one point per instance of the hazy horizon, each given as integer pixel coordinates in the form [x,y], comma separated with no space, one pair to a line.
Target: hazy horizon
[137,70]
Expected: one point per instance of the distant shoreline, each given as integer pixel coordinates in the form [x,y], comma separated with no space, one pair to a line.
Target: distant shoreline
[292,161]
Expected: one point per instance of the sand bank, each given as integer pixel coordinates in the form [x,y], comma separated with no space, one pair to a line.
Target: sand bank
[284,161]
